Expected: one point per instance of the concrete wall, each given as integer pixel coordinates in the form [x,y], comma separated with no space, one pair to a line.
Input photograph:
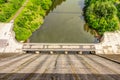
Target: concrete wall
[109,45]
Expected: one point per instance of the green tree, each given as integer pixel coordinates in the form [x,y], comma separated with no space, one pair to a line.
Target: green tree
[101,15]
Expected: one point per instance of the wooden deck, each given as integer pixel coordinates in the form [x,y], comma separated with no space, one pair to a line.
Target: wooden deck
[58,67]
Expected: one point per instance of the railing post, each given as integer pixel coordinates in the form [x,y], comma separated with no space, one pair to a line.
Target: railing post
[66,52]
[37,52]
[80,52]
[51,52]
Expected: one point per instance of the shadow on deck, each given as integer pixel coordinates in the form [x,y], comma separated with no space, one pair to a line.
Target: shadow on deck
[59,76]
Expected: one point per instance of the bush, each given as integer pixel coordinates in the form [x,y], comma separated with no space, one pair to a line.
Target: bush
[101,15]
[46,4]
[8,8]
[118,8]
[23,31]
[30,18]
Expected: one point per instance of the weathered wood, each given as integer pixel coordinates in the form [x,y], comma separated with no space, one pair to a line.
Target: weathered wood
[58,67]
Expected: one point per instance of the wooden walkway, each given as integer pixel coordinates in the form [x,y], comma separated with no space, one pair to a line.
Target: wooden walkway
[58,67]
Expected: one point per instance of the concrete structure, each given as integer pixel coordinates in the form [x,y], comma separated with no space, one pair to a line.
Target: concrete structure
[59,47]
[109,45]
[7,39]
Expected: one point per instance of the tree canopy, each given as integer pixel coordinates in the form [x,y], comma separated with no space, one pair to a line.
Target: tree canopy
[101,15]
[31,18]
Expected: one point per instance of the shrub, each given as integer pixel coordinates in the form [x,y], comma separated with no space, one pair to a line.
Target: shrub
[101,15]
[30,18]
[8,8]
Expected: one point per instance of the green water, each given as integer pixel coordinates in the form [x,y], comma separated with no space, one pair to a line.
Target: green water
[63,24]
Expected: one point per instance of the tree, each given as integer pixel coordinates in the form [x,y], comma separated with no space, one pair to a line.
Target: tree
[101,15]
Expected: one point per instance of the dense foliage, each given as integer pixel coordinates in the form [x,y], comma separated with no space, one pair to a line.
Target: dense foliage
[8,8]
[101,15]
[118,8]
[31,18]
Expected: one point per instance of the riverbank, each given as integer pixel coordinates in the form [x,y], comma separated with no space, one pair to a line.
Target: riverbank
[8,9]
[31,18]
[64,24]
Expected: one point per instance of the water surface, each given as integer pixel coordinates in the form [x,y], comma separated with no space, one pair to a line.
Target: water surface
[63,24]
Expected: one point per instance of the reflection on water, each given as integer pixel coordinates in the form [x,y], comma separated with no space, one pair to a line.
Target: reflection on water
[88,29]
[98,38]
[55,3]
[63,24]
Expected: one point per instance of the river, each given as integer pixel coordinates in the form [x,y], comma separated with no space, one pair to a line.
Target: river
[63,24]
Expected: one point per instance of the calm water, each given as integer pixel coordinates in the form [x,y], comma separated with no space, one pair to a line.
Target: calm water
[63,24]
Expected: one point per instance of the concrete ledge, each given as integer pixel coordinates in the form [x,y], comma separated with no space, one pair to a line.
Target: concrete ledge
[109,45]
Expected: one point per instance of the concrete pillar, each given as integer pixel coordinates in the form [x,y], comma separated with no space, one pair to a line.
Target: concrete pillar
[66,52]
[37,52]
[51,52]
[80,52]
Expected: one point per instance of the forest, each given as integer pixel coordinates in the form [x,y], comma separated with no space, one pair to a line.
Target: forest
[102,15]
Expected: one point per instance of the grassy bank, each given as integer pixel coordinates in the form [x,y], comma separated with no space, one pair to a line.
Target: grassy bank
[8,8]
[30,18]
